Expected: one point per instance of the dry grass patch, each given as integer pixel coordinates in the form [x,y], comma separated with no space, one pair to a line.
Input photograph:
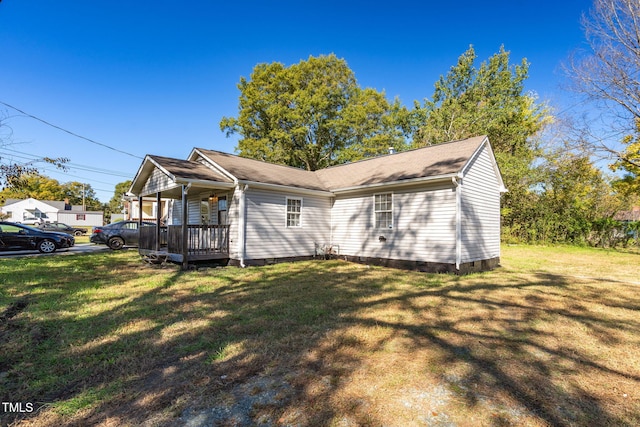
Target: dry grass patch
[551,338]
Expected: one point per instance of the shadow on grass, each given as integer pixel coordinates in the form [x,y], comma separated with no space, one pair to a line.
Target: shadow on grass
[206,341]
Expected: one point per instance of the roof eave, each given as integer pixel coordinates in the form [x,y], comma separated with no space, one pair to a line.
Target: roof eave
[397,184]
[288,188]
[204,183]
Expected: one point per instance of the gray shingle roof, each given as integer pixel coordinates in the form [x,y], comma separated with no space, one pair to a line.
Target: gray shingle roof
[435,160]
[268,173]
[189,170]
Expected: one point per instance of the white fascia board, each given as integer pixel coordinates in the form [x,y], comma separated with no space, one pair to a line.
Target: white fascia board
[397,184]
[163,170]
[286,188]
[154,163]
[206,183]
[212,164]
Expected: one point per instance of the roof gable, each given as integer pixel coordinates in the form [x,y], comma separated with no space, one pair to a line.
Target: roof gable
[176,170]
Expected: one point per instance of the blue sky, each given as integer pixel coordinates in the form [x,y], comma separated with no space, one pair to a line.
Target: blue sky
[156,77]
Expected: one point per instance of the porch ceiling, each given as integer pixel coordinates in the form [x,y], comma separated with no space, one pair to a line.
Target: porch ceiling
[176,192]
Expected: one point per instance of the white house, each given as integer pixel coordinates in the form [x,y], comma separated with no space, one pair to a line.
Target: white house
[31,210]
[431,209]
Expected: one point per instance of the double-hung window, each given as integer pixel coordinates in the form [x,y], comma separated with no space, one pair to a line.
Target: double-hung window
[383,210]
[294,212]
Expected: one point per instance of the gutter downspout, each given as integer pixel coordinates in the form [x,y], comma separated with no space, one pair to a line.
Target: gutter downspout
[458,189]
[242,214]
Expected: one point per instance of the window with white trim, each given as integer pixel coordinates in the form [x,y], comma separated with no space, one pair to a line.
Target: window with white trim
[294,212]
[383,210]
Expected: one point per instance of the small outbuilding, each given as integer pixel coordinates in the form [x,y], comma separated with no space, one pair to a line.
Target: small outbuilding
[431,209]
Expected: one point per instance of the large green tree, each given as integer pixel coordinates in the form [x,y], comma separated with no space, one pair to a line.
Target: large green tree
[80,193]
[311,115]
[36,186]
[488,100]
[116,204]
[42,187]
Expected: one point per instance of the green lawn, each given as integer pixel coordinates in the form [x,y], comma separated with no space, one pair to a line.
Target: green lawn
[551,338]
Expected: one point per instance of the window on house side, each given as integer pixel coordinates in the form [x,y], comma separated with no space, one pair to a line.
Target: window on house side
[81,217]
[294,212]
[383,210]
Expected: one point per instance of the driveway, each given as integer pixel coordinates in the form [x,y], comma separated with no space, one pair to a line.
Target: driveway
[79,248]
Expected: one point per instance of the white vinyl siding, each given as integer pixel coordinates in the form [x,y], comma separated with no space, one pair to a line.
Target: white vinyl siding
[158,181]
[266,237]
[233,213]
[424,226]
[480,210]
[194,208]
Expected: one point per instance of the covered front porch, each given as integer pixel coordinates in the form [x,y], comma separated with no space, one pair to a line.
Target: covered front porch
[204,242]
[190,210]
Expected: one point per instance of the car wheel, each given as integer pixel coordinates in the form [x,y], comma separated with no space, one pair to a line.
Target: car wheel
[46,246]
[77,233]
[115,243]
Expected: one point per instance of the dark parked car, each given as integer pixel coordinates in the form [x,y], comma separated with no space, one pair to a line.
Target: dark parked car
[118,234]
[63,228]
[16,237]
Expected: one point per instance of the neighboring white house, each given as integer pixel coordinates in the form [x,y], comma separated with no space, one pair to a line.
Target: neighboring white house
[31,210]
[431,209]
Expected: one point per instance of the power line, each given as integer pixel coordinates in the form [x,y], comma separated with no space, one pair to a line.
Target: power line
[84,178]
[71,165]
[68,131]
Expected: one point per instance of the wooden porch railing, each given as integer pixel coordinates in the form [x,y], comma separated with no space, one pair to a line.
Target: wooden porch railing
[202,240]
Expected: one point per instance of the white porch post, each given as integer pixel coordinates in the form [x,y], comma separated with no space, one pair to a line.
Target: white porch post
[185,228]
[458,189]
